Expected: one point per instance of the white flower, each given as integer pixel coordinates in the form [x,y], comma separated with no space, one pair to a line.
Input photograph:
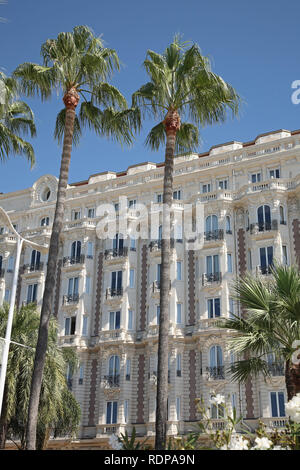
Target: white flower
[281,448]
[217,400]
[262,443]
[114,442]
[292,408]
[236,443]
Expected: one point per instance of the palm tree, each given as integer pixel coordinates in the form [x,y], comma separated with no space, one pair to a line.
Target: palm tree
[58,411]
[181,87]
[78,64]
[270,325]
[16,120]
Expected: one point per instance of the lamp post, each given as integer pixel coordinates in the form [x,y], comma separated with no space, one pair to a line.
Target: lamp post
[7,341]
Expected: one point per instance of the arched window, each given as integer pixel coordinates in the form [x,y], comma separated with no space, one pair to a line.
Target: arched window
[216,366]
[228,224]
[75,251]
[211,223]
[114,370]
[35,260]
[264,218]
[45,221]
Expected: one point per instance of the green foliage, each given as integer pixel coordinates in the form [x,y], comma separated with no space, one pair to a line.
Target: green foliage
[59,413]
[181,79]
[79,60]
[130,443]
[16,121]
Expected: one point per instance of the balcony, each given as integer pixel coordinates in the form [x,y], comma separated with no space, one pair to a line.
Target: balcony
[156,286]
[112,292]
[264,226]
[116,253]
[215,373]
[156,245]
[211,278]
[72,260]
[214,235]
[31,268]
[70,299]
[112,381]
[276,369]
[264,270]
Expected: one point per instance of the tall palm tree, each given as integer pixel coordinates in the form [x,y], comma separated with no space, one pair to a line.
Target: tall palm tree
[58,410]
[77,64]
[16,120]
[182,88]
[270,325]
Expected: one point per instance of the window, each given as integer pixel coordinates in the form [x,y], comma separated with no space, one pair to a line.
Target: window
[1,261]
[212,264]
[249,260]
[178,408]
[160,232]
[84,326]
[2,230]
[159,198]
[177,194]
[35,260]
[91,213]
[128,369]
[215,357]
[81,374]
[10,264]
[118,242]
[87,284]
[70,326]
[211,223]
[111,412]
[157,314]
[130,320]
[179,314]
[158,270]
[116,280]
[45,221]
[284,255]
[114,320]
[281,214]
[76,214]
[255,177]
[229,263]
[266,259]
[264,217]
[114,366]
[214,307]
[178,232]
[7,295]
[31,293]
[132,244]
[231,307]
[132,204]
[228,224]
[217,411]
[73,286]
[75,251]
[274,173]
[131,277]
[90,250]
[277,404]
[206,188]
[126,408]
[223,184]
[178,365]
[116,206]
[178,270]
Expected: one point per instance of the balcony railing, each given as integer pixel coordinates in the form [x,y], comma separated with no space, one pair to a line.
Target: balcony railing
[210,278]
[156,286]
[34,267]
[264,270]
[276,369]
[214,235]
[70,260]
[156,244]
[264,226]
[112,380]
[216,373]
[114,292]
[116,252]
[70,299]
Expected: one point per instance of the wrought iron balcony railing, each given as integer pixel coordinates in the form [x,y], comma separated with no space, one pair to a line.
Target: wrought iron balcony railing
[70,260]
[70,299]
[264,226]
[214,235]
[210,278]
[34,267]
[112,380]
[114,292]
[216,373]
[265,270]
[276,369]
[116,252]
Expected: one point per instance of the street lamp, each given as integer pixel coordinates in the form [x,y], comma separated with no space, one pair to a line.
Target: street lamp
[7,341]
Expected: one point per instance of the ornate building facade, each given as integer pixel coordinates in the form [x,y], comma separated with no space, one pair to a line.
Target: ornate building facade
[107,290]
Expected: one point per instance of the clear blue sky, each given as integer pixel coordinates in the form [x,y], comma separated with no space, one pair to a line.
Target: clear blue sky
[254,45]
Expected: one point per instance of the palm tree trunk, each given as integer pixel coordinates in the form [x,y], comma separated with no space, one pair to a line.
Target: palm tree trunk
[3,419]
[172,124]
[289,381]
[70,99]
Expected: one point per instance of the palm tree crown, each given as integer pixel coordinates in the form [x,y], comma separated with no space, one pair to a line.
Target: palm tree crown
[16,120]
[181,80]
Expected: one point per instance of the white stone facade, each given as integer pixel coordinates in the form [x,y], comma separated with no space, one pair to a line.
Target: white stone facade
[252,189]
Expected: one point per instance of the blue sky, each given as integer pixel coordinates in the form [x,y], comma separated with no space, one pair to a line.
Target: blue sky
[254,45]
